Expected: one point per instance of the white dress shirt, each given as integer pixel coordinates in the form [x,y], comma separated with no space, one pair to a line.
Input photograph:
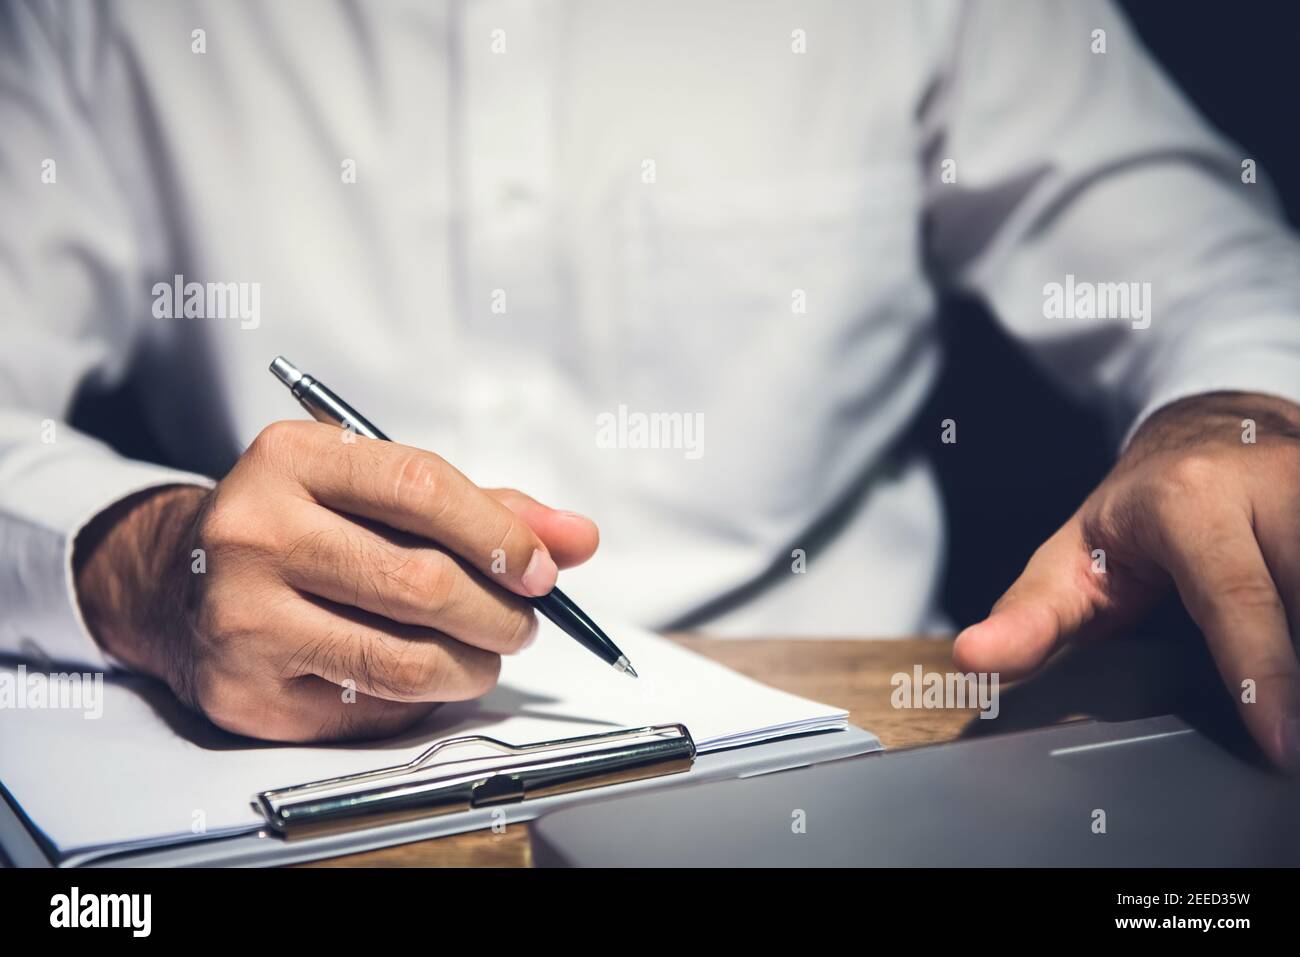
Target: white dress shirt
[561,209]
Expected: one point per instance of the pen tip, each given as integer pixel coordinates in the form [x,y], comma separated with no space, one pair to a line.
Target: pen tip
[625,666]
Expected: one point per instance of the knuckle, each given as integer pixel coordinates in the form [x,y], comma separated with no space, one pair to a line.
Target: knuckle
[238,517]
[520,628]
[432,583]
[516,543]
[413,676]
[279,439]
[1189,475]
[1250,592]
[224,522]
[419,483]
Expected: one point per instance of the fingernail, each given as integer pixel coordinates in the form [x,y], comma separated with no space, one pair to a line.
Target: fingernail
[539,576]
[576,518]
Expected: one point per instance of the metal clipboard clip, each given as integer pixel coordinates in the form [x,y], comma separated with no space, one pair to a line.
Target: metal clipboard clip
[423,787]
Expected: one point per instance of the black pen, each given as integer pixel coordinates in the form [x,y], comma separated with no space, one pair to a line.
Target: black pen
[325,406]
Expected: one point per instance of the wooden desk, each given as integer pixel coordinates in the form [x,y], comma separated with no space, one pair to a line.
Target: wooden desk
[1119,680]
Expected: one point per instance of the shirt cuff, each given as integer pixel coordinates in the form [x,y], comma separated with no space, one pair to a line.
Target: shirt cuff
[46,502]
[1269,369]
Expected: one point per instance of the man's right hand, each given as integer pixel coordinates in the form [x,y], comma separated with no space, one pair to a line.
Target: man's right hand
[330,587]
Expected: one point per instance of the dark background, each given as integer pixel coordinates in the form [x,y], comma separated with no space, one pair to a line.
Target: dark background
[1004,496]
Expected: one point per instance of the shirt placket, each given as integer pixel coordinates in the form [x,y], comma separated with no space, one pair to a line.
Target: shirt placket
[507,135]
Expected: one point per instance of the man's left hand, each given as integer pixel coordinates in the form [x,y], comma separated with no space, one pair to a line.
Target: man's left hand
[1207,498]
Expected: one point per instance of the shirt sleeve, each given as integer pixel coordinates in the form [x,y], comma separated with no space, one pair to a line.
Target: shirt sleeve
[1081,173]
[71,288]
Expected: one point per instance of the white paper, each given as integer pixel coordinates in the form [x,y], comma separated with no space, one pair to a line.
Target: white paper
[149,772]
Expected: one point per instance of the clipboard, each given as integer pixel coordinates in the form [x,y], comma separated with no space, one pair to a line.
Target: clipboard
[427,798]
[426,787]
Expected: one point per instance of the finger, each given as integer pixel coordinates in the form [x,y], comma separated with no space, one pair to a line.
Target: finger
[1226,587]
[313,709]
[357,650]
[570,538]
[1056,597]
[394,576]
[1278,534]
[414,491]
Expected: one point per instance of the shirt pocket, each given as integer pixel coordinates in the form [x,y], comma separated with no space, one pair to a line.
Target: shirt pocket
[770,273]
[781,310]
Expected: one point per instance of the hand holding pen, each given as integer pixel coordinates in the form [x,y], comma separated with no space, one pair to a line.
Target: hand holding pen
[325,589]
[326,406]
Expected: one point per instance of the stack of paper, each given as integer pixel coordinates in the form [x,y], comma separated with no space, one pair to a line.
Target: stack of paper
[147,772]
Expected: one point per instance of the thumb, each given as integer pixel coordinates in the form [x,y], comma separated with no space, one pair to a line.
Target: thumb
[569,537]
[1056,597]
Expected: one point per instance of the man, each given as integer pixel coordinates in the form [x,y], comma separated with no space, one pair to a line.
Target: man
[501,227]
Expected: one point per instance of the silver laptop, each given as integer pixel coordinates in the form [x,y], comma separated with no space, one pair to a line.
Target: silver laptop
[1153,792]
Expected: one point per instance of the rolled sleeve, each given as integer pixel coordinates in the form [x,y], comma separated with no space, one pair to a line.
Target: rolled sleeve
[1080,160]
[1260,354]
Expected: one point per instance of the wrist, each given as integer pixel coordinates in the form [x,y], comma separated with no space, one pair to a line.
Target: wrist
[1212,418]
[131,568]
